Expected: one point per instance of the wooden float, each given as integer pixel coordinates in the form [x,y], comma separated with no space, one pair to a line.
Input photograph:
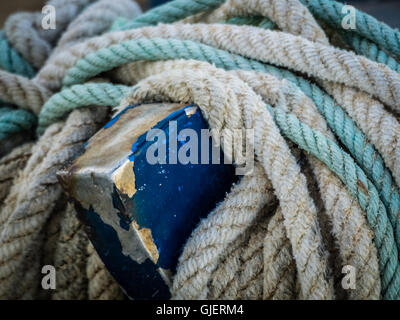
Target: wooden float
[137,214]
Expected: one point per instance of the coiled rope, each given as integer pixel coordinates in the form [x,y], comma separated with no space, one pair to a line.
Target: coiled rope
[324,191]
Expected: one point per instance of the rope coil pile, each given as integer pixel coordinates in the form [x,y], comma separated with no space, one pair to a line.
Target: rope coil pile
[324,192]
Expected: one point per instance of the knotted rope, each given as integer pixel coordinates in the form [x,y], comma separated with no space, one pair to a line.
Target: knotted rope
[324,190]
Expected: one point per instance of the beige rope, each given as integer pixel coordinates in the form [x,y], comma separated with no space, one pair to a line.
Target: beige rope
[239,274]
[290,16]
[10,166]
[237,251]
[102,285]
[70,258]
[279,266]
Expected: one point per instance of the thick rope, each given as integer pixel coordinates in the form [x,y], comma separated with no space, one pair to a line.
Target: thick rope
[70,258]
[11,61]
[279,266]
[239,274]
[10,166]
[290,16]
[370,50]
[169,12]
[102,285]
[96,19]
[102,94]
[14,120]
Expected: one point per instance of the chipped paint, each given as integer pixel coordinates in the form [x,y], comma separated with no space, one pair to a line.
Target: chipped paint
[190,111]
[148,241]
[124,179]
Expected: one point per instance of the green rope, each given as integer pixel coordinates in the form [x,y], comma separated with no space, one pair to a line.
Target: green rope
[367,26]
[11,61]
[60,104]
[12,120]
[326,10]
[166,13]
[15,120]
[352,176]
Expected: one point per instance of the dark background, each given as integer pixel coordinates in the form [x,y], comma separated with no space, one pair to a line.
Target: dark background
[384,10]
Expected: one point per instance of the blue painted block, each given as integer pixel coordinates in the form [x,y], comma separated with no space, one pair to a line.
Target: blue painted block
[138,213]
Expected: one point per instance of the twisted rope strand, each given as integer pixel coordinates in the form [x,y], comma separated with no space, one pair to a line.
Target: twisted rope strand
[26,220]
[240,271]
[279,266]
[13,121]
[290,16]
[169,12]
[358,184]
[11,61]
[101,94]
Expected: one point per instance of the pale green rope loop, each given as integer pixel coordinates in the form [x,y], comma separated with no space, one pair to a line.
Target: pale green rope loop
[343,165]
[166,13]
[15,120]
[12,120]
[100,94]
[367,26]
[11,61]
[340,123]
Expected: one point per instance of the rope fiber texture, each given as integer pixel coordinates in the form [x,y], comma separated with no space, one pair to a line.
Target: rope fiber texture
[324,191]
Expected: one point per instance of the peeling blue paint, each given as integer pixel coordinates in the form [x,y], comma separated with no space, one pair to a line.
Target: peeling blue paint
[139,280]
[116,118]
[172,198]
